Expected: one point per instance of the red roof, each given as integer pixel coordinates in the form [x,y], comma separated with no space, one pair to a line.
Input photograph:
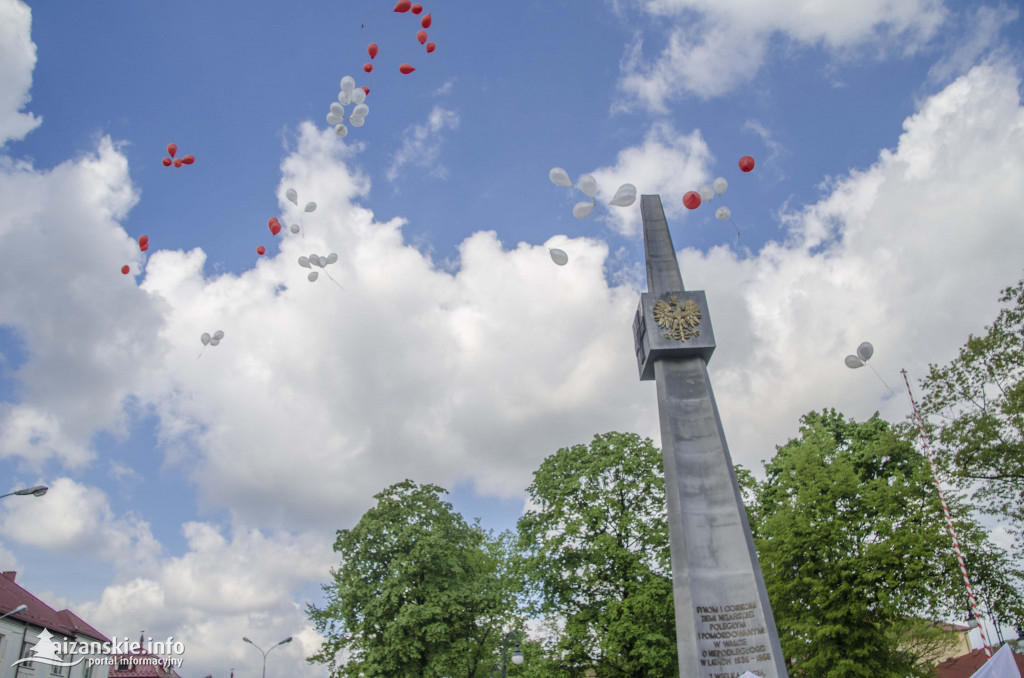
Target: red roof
[141,664]
[966,665]
[65,622]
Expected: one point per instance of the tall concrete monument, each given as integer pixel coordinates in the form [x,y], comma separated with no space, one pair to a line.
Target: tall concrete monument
[724,624]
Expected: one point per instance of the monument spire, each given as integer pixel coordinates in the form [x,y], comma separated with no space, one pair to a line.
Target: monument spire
[724,623]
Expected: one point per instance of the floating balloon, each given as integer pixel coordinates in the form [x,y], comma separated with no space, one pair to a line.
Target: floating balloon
[371,49]
[406,69]
[166,162]
[332,257]
[341,130]
[403,6]
[853,362]
[559,257]
[368,67]
[431,47]
[178,162]
[359,95]
[188,159]
[720,185]
[366,91]
[261,250]
[209,340]
[275,226]
[313,276]
[691,200]
[865,351]
[143,242]
[707,193]
[360,111]
[304,262]
[417,8]
[292,196]
[125,269]
[559,177]
[625,196]
[588,185]
[172,149]
[421,36]
[582,210]
[205,338]
[426,21]
[723,213]
[348,84]
[310,207]
[294,228]
[746,163]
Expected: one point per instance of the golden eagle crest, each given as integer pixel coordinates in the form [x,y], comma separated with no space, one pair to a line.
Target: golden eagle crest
[680,321]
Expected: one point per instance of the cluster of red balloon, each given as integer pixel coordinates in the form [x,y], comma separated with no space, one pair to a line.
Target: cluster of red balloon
[404,6]
[172,150]
[693,199]
[143,246]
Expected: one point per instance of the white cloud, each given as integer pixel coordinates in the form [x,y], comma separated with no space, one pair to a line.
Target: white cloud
[711,48]
[17,61]
[421,144]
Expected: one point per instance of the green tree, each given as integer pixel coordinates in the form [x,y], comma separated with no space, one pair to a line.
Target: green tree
[595,551]
[852,543]
[976,403]
[419,592]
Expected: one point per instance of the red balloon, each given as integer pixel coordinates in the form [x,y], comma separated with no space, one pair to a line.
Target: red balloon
[275,226]
[425,22]
[691,200]
[431,47]
[406,69]
[261,250]
[421,36]
[417,8]
[177,162]
[143,248]
[746,163]
[366,89]
[371,49]
[403,6]
[368,67]
[143,241]
[166,162]
[125,269]
[172,149]
[188,159]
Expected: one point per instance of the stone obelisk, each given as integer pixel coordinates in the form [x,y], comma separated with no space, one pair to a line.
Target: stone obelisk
[724,623]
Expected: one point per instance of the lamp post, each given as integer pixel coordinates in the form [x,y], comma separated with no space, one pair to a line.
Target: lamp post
[37,491]
[517,655]
[20,608]
[286,640]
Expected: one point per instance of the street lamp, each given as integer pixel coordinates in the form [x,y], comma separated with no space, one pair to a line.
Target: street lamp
[517,656]
[20,608]
[286,640]
[38,491]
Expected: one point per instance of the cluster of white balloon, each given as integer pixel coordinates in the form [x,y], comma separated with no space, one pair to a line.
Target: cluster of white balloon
[293,197]
[210,340]
[864,353]
[350,94]
[320,262]
[624,197]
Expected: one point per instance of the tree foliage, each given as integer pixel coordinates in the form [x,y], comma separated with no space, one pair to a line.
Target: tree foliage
[977,405]
[419,592]
[852,542]
[595,549]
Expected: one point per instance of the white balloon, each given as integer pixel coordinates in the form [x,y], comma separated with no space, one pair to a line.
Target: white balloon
[315,260]
[340,130]
[344,98]
[588,185]
[218,335]
[338,109]
[356,122]
[294,228]
[720,185]
[332,257]
[706,193]
[333,119]
[559,257]
[865,351]
[723,213]
[214,342]
[559,176]
[625,196]
[312,276]
[205,338]
[358,96]
[310,207]
[348,83]
[853,362]
[361,111]
[292,195]
[304,262]
[582,210]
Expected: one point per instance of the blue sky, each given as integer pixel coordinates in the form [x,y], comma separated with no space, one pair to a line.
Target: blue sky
[198,497]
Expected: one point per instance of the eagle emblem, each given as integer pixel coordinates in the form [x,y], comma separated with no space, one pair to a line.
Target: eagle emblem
[680,320]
